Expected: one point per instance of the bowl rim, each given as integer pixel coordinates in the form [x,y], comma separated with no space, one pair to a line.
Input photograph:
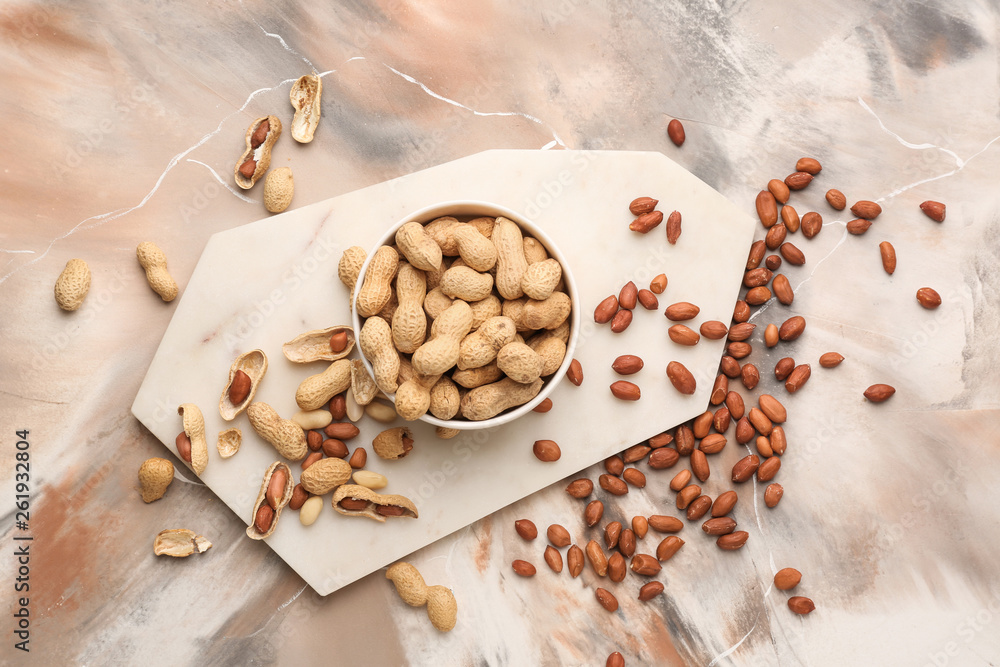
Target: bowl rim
[484,208]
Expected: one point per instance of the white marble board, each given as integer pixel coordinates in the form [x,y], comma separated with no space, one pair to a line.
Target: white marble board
[260,284]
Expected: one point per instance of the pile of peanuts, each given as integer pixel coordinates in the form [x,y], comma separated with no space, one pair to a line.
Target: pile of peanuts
[462,319]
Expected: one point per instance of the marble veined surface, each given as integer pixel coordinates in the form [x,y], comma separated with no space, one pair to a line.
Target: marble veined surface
[123,121]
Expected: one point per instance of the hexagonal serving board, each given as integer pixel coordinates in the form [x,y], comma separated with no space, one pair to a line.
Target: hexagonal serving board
[261,284]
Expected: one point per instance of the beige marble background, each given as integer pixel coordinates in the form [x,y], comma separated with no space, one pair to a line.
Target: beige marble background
[123,121]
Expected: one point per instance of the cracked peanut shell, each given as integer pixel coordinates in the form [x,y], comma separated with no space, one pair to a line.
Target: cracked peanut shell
[229,442]
[179,543]
[393,443]
[305,96]
[363,386]
[194,429]
[286,496]
[374,501]
[254,364]
[315,345]
[262,153]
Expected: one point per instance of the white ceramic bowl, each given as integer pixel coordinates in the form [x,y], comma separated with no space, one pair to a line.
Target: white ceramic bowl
[468,210]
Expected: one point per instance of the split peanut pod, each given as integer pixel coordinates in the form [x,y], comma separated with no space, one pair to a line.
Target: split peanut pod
[275,492]
[256,158]
[328,344]
[356,500]
[305,96]
[244,377]
[73,284]
[179,542]
[229,442]
[283,434]
[191,443]
[442,608]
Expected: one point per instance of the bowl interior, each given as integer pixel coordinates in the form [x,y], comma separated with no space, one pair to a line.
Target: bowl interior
[471,209]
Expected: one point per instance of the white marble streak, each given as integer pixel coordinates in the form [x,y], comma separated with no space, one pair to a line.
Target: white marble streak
[735,646]
[225,184]
[278,37]
[426,89]
[960,164]
[102,218]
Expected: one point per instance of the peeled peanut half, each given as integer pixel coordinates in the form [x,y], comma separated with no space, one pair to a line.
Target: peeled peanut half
[315,345]
[305,98]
